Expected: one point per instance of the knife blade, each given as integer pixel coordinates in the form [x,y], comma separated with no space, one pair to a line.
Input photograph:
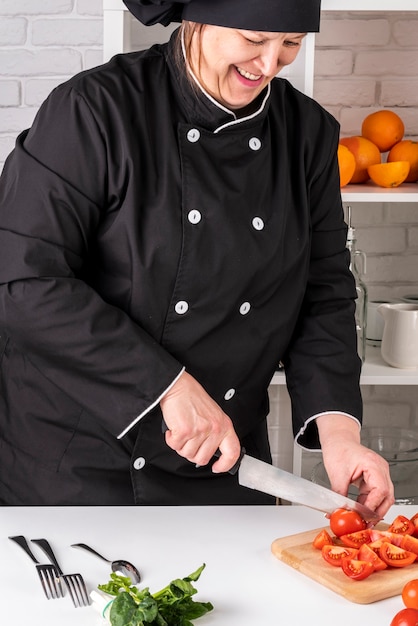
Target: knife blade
[256,474]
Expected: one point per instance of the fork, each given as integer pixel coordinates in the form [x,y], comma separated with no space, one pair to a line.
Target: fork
[48,574]
[74,582]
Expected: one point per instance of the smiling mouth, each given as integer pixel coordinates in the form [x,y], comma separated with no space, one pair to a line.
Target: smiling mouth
[247,75]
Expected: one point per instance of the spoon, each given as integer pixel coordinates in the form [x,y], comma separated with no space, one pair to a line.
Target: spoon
[126,568]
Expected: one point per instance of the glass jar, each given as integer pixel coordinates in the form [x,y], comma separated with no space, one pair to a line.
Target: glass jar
[358,269]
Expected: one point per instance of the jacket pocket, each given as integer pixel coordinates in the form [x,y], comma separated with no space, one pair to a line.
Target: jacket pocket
[36,417]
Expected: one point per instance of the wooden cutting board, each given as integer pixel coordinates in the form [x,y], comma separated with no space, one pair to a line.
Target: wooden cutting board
[298,552]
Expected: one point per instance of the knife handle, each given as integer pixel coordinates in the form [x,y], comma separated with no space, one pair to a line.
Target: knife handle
[234,469]
[217,453]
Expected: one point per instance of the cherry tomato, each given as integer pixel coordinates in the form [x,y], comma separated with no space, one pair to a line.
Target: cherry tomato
[410,594]
[322,539]
[366,553]
[402,525]
[355,540]
[394,556]
[357,570]
[343,522]
[409,543]
[406,617]
[335,554]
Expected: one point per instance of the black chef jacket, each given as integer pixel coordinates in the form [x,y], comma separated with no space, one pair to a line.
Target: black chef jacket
[145,229]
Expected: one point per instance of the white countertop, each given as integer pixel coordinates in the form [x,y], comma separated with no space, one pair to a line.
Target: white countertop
[246,584]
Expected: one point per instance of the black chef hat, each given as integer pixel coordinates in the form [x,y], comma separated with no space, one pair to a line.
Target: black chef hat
[288,16]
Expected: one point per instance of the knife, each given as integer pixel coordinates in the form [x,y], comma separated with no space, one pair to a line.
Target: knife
[256,474]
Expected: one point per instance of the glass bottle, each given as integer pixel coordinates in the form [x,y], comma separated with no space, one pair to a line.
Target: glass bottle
[358,269]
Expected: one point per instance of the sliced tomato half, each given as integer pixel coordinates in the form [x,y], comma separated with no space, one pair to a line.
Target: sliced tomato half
[323,538]
[410,543]
[414,521]
[402,525]
[376,535]
[385,535]
[366,553]
[395,556]
[335,554]
[355,540]
[355,569]
[376,545]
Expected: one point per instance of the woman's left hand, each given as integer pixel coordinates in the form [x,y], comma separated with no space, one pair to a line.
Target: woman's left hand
[347,462]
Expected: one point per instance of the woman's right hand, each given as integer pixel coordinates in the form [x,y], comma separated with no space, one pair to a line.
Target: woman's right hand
[197,426]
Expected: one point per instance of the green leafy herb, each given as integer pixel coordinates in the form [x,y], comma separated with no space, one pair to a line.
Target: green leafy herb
[171,606]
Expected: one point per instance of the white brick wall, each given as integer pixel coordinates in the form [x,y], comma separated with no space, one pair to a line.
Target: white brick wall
[363,62]
[42,43]
[366,63]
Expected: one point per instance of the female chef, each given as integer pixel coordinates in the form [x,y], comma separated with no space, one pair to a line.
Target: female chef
[171,229]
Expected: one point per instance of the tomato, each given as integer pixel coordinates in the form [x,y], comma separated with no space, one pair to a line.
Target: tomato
[335,554]
[376,535]
[394,556]
[414,521]
[406,617]
[409,543]
[366,553]
[376,545]
[410,594]
[343,522]
[322,539]
[355,540]
[385,535]
[402,525]
[357,570]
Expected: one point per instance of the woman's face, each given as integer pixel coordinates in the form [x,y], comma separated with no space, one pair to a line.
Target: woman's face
[234,66]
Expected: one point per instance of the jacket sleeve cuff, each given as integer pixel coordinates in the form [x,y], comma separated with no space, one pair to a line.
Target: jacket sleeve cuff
[307,437]
[152,406]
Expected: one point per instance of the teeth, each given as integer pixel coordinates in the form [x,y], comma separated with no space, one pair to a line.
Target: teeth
[247,74]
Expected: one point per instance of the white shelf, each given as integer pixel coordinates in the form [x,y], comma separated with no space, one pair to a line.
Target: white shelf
[369,5]
[375,372]
[114,5]
[368,192]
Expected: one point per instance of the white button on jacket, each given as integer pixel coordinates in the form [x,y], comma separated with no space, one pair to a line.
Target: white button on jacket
[258,223]
[181,307]
[139,463]
[229,394]
[254,143]
[194,216]
[193,135]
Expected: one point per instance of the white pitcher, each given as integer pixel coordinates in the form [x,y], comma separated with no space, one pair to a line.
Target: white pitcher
[400,335]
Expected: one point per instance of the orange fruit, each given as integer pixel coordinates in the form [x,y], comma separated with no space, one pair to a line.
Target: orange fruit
[384,128]
[389,174]
[346,164]
[406,151]
[365,153]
